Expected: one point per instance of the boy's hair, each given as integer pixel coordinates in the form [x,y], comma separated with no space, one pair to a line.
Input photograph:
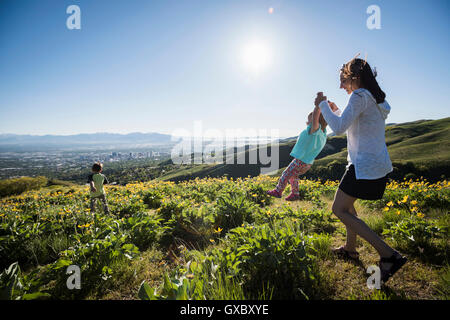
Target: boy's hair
[97,167]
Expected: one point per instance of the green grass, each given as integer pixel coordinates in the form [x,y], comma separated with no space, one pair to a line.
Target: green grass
[276,249]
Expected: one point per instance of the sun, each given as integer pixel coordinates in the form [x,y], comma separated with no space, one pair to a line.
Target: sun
[256,56]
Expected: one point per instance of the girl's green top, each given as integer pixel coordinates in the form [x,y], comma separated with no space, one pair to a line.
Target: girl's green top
[308,146]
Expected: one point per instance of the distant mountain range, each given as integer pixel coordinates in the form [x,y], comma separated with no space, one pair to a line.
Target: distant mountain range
[33,143]
[15,141]
[85,139]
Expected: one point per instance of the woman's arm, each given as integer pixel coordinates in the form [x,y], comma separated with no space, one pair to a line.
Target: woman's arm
[340,124]
[334,108]
[315,122]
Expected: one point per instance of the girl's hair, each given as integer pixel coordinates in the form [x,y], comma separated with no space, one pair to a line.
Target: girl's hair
[360,69]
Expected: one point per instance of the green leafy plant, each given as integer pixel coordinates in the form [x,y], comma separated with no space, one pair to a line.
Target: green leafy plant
[278,256]
[152,199]
[232,210]
[413,233]
[14,287]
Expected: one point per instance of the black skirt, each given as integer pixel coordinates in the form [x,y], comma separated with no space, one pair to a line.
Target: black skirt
[362,188]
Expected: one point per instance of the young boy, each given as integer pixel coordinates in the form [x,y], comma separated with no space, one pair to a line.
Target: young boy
[96,181]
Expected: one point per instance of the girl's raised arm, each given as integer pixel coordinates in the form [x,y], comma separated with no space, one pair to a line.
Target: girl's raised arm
[315,122]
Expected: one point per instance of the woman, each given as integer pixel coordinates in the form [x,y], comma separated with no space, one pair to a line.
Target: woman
[368,159]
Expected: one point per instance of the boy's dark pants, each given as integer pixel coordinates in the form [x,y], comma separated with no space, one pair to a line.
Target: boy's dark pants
[105,205]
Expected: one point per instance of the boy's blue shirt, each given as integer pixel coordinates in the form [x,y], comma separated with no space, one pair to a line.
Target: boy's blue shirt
[308,146]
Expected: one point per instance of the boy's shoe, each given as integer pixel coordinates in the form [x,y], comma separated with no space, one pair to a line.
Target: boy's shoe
[292,197]
[274,193]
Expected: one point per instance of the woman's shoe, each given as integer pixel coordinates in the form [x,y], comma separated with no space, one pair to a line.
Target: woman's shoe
[274,193]
[396,260]
[292,197]
[347,255]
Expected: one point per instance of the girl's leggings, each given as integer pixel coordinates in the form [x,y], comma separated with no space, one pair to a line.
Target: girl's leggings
[291,173]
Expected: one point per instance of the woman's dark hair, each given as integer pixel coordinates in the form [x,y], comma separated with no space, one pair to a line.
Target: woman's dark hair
[360,69]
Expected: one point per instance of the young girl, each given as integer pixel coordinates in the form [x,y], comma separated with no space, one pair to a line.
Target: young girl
[309,144]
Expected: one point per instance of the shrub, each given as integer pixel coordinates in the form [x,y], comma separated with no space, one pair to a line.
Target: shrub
[278,257]
[16,186]
[195,225]
[95,260]
[15,286]
[232,209]
[152,199]
[131,209]
[413,234]
[171,208]
[144,230]
[315,220]
[258,194]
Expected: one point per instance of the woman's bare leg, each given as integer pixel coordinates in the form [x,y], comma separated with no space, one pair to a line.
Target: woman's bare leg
[351,235]
[342,209]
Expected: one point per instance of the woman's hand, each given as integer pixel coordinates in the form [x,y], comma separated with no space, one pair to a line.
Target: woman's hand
[320,97]
[333,106]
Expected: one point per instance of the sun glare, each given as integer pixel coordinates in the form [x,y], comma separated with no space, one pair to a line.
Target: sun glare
[256,57]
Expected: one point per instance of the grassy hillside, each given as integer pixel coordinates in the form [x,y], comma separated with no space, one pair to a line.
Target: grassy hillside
[186,172]
[419,148]
[221,239]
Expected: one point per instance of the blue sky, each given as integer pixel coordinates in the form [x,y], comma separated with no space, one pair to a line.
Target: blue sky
[157,66]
